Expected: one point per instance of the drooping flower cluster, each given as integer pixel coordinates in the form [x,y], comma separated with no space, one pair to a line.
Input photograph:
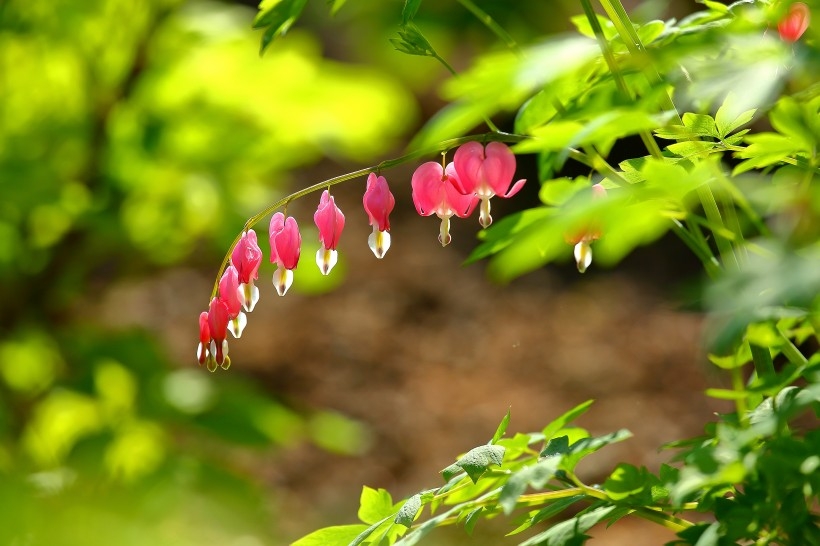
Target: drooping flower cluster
[794,23]
[477,173]
[236,291]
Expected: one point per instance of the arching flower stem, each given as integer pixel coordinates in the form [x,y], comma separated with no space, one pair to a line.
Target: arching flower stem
[387,164]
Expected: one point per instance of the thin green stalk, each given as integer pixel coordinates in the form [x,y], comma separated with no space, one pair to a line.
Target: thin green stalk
[491,24]
[741,407]
[705,255]
[791,351]
[620,82]
[441,146]
[712,211]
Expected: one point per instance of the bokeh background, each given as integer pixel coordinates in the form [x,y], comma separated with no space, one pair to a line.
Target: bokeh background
[136,136]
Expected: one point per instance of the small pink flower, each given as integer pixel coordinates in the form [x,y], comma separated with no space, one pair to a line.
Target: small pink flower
[378,203]
[285,248]
[795,22]
[218,317]
[486,172]
[582,239]
[231,294]
[246,258]
[330,221]
[202,353]
[435,192]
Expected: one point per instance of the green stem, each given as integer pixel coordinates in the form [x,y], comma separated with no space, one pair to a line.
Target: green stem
[441,146]
[791,351]
[741,407]
[490,23]
[700,249]
[620,82]
[712,211]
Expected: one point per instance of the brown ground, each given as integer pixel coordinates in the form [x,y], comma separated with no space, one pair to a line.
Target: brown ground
[429,355]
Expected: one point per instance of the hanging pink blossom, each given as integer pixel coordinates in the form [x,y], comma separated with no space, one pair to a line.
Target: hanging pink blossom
[202,350]
[378,202]
[246,258]
[582,239]
[486,172]
[330,221]
[218,317]
[231,294]
[435,192]
[795,22]
[285,248]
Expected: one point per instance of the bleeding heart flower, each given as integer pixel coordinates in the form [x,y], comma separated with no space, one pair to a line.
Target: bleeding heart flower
[202,350]
[378,203]
[795,22]
[246,257]
[583,238]
[435,192]
[330,221]
[285,249]
[218,317]
[486,172]
[231,294]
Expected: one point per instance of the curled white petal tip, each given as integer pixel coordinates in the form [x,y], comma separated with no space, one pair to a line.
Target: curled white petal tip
[237,325]
[379,242]
[583,255]
[444,231]
[248,295]
[326,259]
[282,279]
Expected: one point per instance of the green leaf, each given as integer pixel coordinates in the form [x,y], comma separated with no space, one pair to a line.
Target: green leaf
[408,511]
[472,519]
[582,24]
[375,505]
[727,119]
[626,481]
[765,149]
[787,118]
[559,190]
[451,471]
[476,462]
[587,446]
[565,532]
[700,124]
[409,10]
[340,535]
[279,17]
[335,6]
[502,233]
[690,148]
[364,535]
[649,32]
[502,428]
[556,446]
[563,420]
[412,42]
[536,475]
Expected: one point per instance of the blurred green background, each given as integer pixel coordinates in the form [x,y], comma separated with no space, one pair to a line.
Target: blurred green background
[136,136]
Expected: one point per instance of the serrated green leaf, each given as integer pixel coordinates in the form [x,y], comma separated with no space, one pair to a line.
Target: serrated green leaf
[556,446]
[412,42]
[340,535]
[727,119]
[336,5]
[476,461]
[536,475]
[650,31]
[374,505]
[626,481]
[587,446]
[727,394]
[566,418]
[765,149]
[700,124]
[563,533]
[472,519]
[691,148]
[582,24]
[451,471]
[407,512]
[787,118]
[408,12]
[502,428]
[278,18]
